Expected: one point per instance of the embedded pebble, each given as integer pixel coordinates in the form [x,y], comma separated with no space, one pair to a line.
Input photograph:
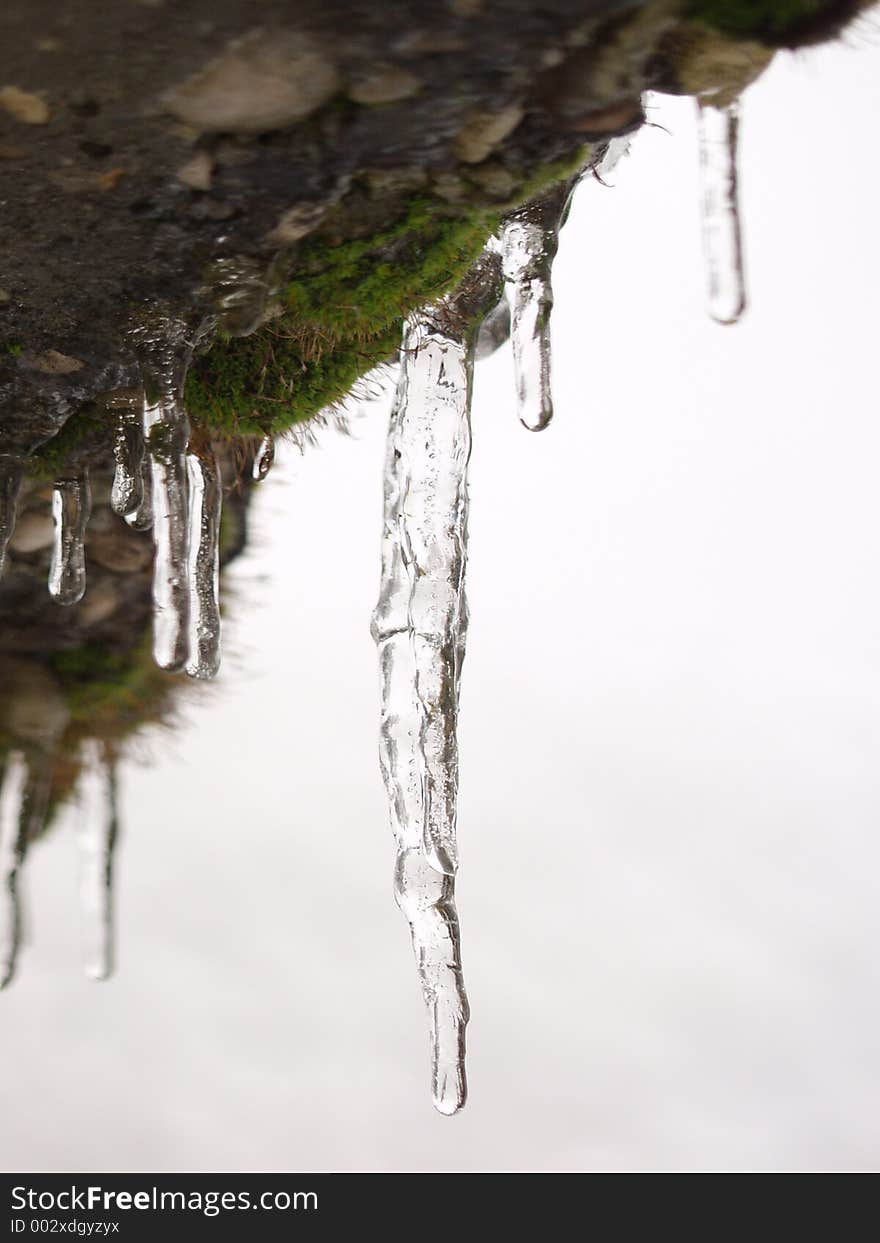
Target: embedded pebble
[197,172]
[24,105]
[482,132]
[264,81]
[385,84]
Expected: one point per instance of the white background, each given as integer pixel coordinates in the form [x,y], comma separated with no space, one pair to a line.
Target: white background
[670,748]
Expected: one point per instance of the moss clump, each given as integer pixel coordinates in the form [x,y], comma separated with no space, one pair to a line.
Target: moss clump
[777,23]
[84,434]
[340,317]
[110,693]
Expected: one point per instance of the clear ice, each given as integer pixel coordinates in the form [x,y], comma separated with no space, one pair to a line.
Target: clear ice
[205,503]
[718,136]
[419,626]
[24,798]
[265,458]
[97,840]
[529,240]
[141,518]
[11,474]
[71,505]
[127,495]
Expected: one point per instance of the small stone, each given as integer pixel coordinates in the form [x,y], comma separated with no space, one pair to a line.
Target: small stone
[33,707]
[122,551]
[449,187]
[296,223]
[48,45]
[197,172]
[24,105]
[484,130]
[34,529]
[100,602]
[385,84]
[111,179]
[494,179]
[264,81]
[53,363]
[5,296]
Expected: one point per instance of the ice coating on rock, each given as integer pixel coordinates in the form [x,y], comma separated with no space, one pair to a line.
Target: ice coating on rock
[164,350]
[98,832]
[419,626]
[71,506]
[11,474]
[24,798]
[718,137]
[127,494]
[205,506]
[265,458]
[529,240]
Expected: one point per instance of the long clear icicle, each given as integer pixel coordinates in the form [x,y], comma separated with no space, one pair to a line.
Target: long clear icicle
[164,362]
[127,494]
[718,139]
[419,626]
[205,504]
[529,241]
[24,798]
[97,841]
[71,506]
[11,474]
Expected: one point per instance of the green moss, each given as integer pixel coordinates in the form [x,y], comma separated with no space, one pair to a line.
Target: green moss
[109,692]
[86,431]
[778,23]
[341,317]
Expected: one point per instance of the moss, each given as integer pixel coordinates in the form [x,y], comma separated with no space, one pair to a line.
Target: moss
[111,693]
[84,433]
[340,317]
[777,23]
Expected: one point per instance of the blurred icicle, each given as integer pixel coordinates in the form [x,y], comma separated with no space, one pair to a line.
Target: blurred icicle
[24,799]
[98,834]
[718,137]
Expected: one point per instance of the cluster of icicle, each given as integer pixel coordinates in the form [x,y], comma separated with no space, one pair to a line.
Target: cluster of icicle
[420,622]
[24,805]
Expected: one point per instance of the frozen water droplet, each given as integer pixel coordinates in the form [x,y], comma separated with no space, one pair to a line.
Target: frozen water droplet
[419,626]
[127,495]
[494,330]
[24,798]
[98,833]
[205,505]
[529,241]
[265,458]
[71,505]
[718,136]
[141,519]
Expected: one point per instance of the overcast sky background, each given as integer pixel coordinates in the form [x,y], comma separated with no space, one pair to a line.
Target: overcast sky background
[670,744]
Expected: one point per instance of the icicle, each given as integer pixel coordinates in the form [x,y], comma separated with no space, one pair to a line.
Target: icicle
[11,473]
[718,133]
[265,458]
[127,495]
[494,331]
[24,798]
[529,241]
[97,840]
[419,626]
[165,351]
[71,506]
[205,504]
